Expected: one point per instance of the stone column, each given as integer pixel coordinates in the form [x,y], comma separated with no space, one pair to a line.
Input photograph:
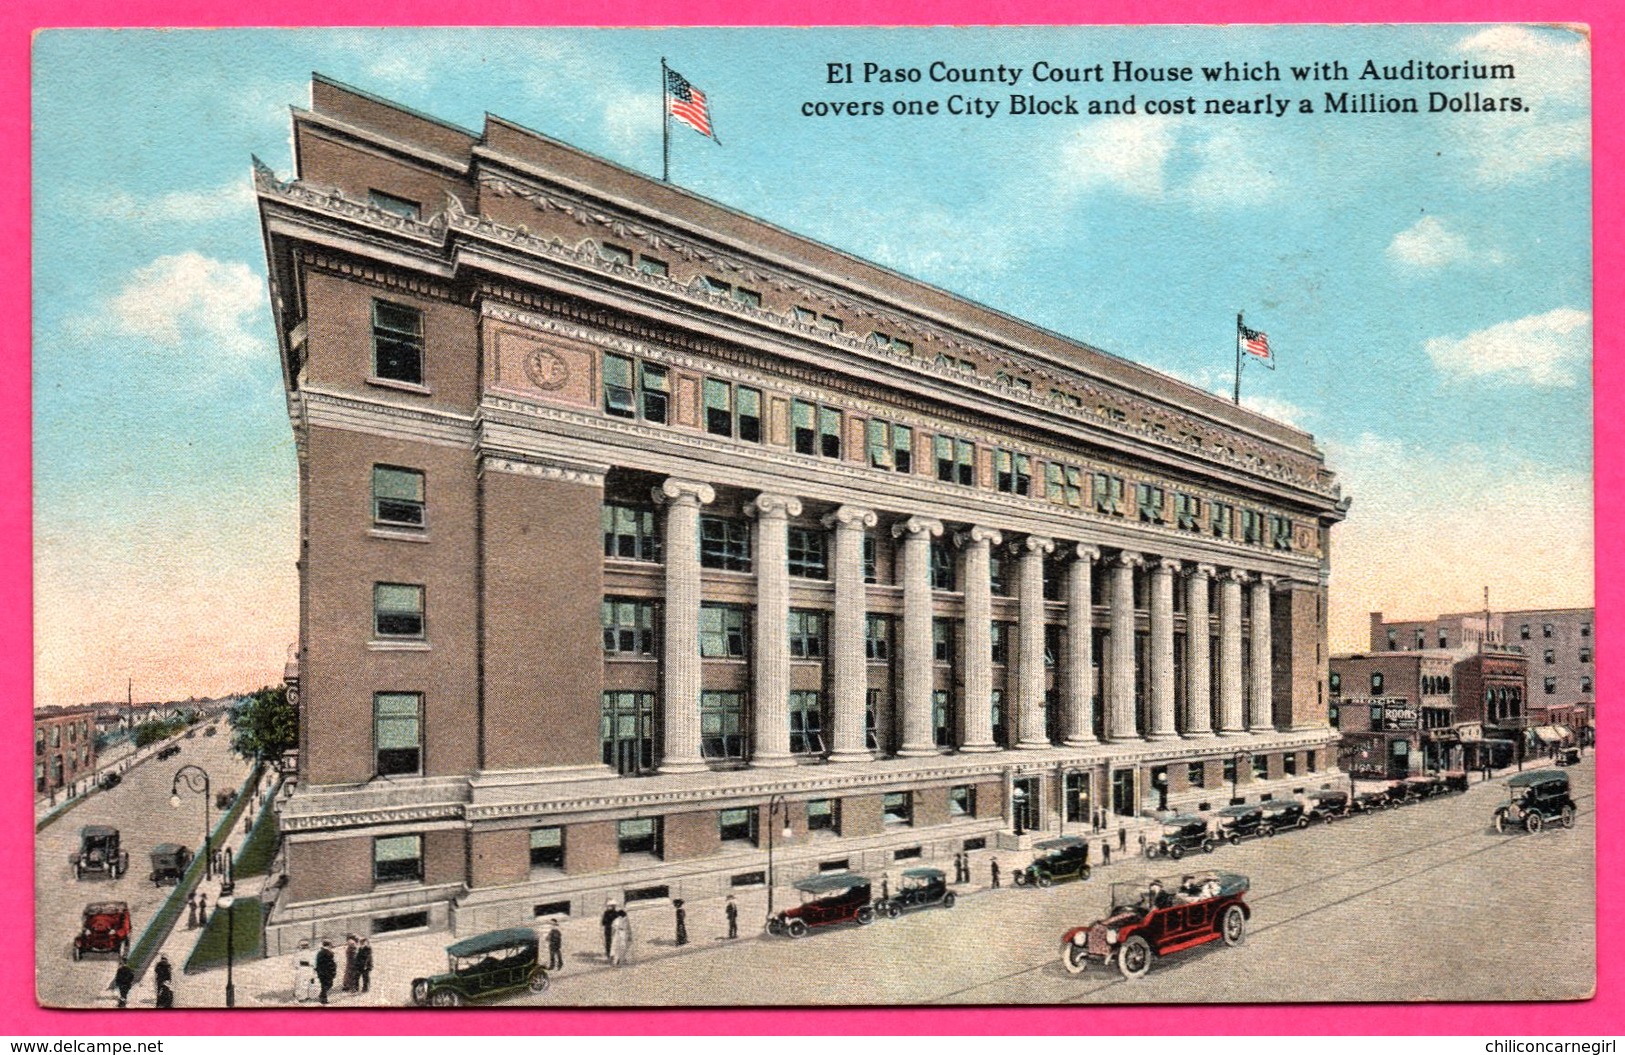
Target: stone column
[1260,719]
[1161,711]
[1120,651]
[681,691]
[770,632]
[849,668]
[1078,686]
[1198,663]
[1230,716]
[916,534]
[1031,552]
[978,703]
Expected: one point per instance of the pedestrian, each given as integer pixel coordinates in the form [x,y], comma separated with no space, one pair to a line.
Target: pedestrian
[191,911]
[363,964]
[1100,821]
[620,944]
[682,922]
[607,921]
[202,909]
[161,974]
[885,886]
[352,976]
[555,946]
[993,869]
[1142,843]
[166,996]
[730,908]
[1105,851]
[327,969]
[123,979]
[1122,837]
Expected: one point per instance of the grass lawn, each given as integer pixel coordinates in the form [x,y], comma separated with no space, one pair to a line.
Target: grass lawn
[254,859]
[210,950]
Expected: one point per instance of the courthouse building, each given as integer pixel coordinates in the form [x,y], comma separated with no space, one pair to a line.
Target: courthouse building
[635,529]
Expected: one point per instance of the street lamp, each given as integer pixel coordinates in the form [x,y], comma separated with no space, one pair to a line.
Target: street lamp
[196,780]
[776,806]
[228,902]
[1018,807]
[1161,781]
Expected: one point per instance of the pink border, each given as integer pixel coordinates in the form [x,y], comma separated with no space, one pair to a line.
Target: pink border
[1605,1014]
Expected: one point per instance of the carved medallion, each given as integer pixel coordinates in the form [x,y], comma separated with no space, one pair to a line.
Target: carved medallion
[547,370]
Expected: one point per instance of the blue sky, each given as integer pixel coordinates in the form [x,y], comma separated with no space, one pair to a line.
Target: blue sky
[1425,280]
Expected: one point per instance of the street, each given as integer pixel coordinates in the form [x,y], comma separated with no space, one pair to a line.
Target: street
[139,807]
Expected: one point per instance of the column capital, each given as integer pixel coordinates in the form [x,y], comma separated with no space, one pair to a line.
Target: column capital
[1164,564]
[1038,544]
[851,516]
[1207,571]
[1269,582]
[1083,551]
[683,492]
[979,535]
[774,506]
[917,525]
[1235,575]
[1127,559]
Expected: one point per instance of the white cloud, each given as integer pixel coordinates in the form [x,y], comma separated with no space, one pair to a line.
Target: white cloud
[1552,68]
[1170,158]
[182,206]
[1551,349]
[1231,170]
[1428,243]
[193,300]
[633,119]
[1128,154]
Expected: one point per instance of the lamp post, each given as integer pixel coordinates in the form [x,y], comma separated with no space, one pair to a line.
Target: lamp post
[1018,807]
[776,806]
[1162,791]
[228,902]
[196,780]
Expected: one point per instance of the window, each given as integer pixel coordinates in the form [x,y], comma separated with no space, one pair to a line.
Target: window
[1252,526]
[999,636]
[1108,494]
[821,815]
[871,720]
[876,638]
[962,801]
[737,826]
[951,362]
[871,559]
[615,254]
[806,724]
[942,566]
[897,807]
[733,412]
[1064,484]
[942,718]
[803,427]
[635,389]
[1187,512]
[724,544]
[1196,775]
[620,393]
[653,266]
[806,634]
[1376,716]
[1012,473]
[397,496]
[640,835]
[1585,655]
[1220,519]
[547,847]
[1444,639]
[1551,686]
[808,559]
[722,632]
[722,724]
[714,285]
[626,731]
[629,533]
[1281,534]
[1376,683]
[1313,762]
[1150,503]
[1523,631]
[1393,640]
[1065,399]
[394,205]
[397,610]
[1421,639]
[809,317]
[890,446]
[397,733]
[1551,655]
[397,342]
[397,859]
[1335,682]
[748,414]
[1230,770]
[628,627]
[1052,643]
[942,640]
[1585,683]
[895,345]
[997,581]
[1261,767]
[956,461]
[748,297]
[1289,764]
[1545,630]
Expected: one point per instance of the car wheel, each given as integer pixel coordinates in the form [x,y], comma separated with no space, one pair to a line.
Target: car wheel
[1502,821]
[1086,873]
[444,998]
[1074,958]
[538,982]
[893,910]
[797,929]
[1176,852]
[78,871]
[1044,880]
[1567,816]
[1233,925]
[1303,822]
[124,949]
[420,992]
[866,916]
[1020,878]
[948,899]
[1134,958]
[1235,840]
[1207,846]
[1533,822]
[1269,831]
[775,927]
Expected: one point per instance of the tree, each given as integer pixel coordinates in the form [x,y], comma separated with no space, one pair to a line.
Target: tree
[265,725]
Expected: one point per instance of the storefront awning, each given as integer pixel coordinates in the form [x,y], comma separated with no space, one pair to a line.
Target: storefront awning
[1550,734]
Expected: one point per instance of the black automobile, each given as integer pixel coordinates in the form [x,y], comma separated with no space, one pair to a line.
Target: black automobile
[169,862]
[1062,859]
[1327,806]
[1369,802]
[486,965]
[110,781]
[919,888]
[1536,798]
[1568,756]
[168,752]
[99,852]
[1181,834]
[1235,823]
[1283,814]
[1403,793]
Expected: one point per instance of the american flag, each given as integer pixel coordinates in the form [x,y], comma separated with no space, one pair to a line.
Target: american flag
[687,103]
[1253,342]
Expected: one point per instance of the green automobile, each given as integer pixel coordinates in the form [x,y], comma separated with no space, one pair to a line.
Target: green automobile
[484,966]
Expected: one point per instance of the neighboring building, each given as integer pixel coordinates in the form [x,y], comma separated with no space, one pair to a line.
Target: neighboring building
[632,526]
[1397,713]
[1492,689]
[64,747]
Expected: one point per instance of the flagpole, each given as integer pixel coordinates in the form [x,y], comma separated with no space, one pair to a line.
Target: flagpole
[665,125]
[1238,359]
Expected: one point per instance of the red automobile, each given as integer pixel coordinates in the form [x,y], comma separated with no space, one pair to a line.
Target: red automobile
[1151,918]
[825,900]
[105,928]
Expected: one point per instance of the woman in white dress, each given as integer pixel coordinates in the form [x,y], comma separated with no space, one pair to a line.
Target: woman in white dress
[620,940]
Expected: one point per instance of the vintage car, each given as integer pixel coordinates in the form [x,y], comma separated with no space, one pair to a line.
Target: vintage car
[99,852]
[168,752]
[1454,779]
[1181,834]
[841,897]
[1151,918]
[484,966]
[104,927]
[1369,802]
[224,799]
[1282,814]
[1327,806]
[1235,823]
[1427,786]
[110,781]
[169,862]
[1063,859]
[1403,792]
[210,731]
[1568,756]
[919,888]
[1536,797]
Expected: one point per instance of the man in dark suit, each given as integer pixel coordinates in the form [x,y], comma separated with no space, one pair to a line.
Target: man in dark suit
[327,968]
[731,910]
[607,922]
[555,947]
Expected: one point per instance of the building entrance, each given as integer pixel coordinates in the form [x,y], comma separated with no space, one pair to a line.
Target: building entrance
[1124,800]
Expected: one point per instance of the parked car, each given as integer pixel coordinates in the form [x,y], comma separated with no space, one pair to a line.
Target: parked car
[1149,919]
[1568,756]
[919,888]
[169,863]
[224,799]
[1403,793]
[190,733]
[1062,859]
[110,781]
[99,852]
[1181,834]
[1282,814]
[1327,806]
[210,731]
[1535,798]
[1454,779]
[486,965]
[104,927]
[1369,802]
[1236,823]
[168,752]
[1427,786]
[826,900]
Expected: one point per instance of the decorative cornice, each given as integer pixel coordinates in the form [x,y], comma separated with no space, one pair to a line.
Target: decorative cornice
[543,470]
[307,822]
[332,201]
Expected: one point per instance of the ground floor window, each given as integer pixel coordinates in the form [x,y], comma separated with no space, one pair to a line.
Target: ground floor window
[641,835]
[547,847]
[1077,796]
[397,858]
[626,731]
[737,825]
[1196,775]
[1314,761]
[722,724]
[1261,767]
[962,801]
[823,815]
[897,807]
[1289,764]
[405,921]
